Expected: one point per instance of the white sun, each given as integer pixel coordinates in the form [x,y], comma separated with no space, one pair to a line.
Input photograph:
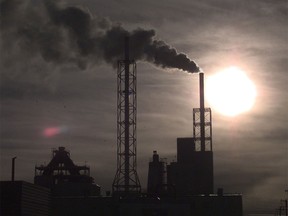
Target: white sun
[230,92]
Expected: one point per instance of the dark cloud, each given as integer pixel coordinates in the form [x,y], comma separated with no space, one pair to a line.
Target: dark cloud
[67,34]
[50,35]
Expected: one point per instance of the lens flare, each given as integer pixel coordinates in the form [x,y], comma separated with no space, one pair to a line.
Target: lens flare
[53,131]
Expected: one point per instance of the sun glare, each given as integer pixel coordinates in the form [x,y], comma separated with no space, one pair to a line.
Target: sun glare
[230,92]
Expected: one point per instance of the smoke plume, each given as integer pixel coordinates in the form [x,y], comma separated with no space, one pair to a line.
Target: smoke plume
[70,35]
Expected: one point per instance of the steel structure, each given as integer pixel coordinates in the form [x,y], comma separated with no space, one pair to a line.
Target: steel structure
[61,169]
[126,180]
[202,122]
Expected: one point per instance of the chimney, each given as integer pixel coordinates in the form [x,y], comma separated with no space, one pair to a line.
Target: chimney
[202,110]
[13,169]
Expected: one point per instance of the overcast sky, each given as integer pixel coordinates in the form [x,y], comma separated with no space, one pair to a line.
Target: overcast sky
[57,75]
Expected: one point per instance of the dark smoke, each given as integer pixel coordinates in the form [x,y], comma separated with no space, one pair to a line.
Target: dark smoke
[62,35]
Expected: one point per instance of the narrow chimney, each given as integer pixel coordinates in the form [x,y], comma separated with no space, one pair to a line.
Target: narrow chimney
[13,169]
[202,110]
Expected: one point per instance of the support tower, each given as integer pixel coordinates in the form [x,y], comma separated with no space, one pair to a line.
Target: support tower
[202,122]
[126,180]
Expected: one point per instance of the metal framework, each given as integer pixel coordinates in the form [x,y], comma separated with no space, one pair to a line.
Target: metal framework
[126,180]
[202,122]
[61,168]
[207,129]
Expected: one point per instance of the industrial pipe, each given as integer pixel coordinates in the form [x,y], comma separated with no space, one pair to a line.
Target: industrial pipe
[202,110]
[13,168]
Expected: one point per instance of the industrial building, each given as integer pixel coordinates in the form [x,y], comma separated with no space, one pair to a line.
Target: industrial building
[73,195]
[183,188]
[64,178]
[192,174]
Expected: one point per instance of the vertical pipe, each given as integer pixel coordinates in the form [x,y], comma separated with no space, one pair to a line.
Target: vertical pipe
[202,110]
[286,207]
[127,125]
[13,169]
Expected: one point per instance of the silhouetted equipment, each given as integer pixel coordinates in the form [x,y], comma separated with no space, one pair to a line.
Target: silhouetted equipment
[184,187]
[126,180]
[156,175]
[286,207]
[283,208]
[21,198]
[13,168]
[64,177]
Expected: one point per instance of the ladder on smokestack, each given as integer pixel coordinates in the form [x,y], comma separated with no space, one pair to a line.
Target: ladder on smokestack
[126,181]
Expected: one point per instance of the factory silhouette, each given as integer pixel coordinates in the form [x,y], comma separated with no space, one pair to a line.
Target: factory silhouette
[183,187]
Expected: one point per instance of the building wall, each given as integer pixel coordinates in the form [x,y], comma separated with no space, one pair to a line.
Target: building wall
[185,148]
[83,206]
[21,198]
[75,189]
[193,172]
[227,205]
[25,199]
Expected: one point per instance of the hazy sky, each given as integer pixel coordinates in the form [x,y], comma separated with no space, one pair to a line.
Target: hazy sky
[54,73]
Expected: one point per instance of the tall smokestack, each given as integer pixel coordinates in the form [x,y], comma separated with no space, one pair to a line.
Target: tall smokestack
[202,110]
[127,125]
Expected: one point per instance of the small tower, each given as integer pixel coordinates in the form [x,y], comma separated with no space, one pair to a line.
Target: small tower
[156,175]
